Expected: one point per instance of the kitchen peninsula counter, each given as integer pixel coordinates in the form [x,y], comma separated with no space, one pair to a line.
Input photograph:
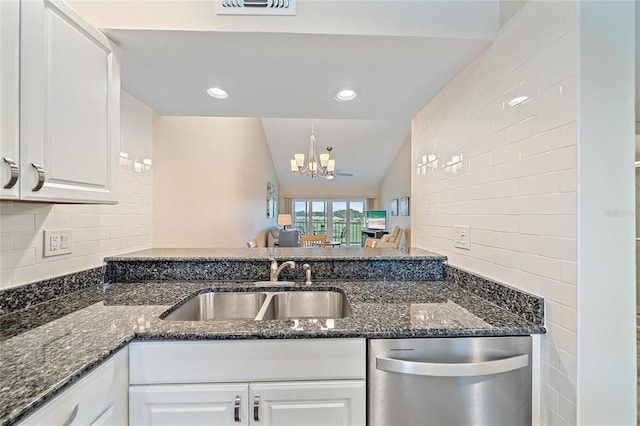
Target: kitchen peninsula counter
[96,322]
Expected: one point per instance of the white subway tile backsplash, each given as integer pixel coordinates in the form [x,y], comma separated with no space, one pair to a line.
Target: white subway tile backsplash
[561,159]
[540,184]
[25,240]
[569,272]
[110,245]
[550,396]
[29,274]
[518,190]
[505,154]
[558,381]
[85,221]
[567,409]
[68,209]
[68,266]
[53,221]
[558,248]
[556,290]
[6,241]
[30,208]
[85,248]
[568,181]
[17,222]
[110,220]
[94,234]
[542,142]
[17,258]
[519,168]
[559,359]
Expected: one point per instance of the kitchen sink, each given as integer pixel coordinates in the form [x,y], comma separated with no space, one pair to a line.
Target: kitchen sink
[307,304]
[273,283]
[264,305]
[219,306]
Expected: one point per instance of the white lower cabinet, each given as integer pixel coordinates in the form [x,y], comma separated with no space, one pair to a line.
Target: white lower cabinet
[99,398]
[210,404]
[319,403]
[261,382]
[279,403]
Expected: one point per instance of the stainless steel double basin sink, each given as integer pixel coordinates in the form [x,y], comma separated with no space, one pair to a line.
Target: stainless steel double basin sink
[262,305]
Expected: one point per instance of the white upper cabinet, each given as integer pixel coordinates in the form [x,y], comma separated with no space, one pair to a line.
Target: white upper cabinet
[69,107]
[9,98]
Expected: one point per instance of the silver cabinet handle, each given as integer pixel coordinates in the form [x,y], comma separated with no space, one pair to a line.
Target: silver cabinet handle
[464,369]
[40,171]
[72,416]
[256,408]
[236,409]
[15,172]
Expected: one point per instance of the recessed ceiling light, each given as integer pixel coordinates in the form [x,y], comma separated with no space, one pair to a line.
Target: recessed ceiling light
[216,92]
[517,101]
[346,95]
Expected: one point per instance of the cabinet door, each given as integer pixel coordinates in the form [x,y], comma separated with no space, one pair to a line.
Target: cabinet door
[69,107]
[98,398]
[210,404]
[322,403]
[9,98]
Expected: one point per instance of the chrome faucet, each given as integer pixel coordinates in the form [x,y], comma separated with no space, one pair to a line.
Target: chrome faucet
[275,270]
[307,274]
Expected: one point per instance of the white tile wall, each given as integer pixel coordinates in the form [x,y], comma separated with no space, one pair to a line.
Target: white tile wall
[516,188]
[98,230]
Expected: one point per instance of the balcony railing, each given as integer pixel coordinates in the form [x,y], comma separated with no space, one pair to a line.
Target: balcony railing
[319,227]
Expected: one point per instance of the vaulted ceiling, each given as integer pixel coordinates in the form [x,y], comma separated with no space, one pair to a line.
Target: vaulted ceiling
[286,70]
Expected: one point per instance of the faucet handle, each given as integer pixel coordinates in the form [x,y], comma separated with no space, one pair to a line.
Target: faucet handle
[307,273]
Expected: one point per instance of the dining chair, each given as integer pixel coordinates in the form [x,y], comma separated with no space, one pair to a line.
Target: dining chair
[313,240]
[340,236]
[252,243]
[370,242]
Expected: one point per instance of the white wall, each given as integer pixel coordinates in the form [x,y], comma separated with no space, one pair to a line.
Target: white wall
[98,230]
[210,182]
[513,180]
[288,193]
[395,184]
[606,208]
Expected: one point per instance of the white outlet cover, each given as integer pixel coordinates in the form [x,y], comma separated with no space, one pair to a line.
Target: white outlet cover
[57,242]
[462,238]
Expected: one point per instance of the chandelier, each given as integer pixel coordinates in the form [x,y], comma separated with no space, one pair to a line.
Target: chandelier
[314,165]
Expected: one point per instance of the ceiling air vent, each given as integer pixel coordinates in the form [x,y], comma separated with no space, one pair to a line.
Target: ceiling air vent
[255,7]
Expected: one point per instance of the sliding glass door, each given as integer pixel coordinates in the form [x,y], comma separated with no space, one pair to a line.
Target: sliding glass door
[331,217]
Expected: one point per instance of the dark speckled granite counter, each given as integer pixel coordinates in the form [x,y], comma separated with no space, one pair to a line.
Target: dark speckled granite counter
[86,327]
[346,263]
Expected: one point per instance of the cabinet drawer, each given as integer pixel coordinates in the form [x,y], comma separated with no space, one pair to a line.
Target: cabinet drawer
[246,360]
[95,397]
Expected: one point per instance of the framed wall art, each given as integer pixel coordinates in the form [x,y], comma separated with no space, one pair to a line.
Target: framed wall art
[404,206]
[272,200]
[394,207]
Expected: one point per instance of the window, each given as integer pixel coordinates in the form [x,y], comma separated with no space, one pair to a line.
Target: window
[330,217]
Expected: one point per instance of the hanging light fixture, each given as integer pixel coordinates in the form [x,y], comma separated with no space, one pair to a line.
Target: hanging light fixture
[314,165]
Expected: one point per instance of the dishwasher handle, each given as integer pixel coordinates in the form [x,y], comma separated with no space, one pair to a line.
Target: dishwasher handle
[465,369]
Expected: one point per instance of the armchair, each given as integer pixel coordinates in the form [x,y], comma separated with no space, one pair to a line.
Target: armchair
[273,237]
[389,240]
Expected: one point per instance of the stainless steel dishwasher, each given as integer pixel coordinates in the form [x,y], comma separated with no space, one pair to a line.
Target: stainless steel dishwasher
[450,381]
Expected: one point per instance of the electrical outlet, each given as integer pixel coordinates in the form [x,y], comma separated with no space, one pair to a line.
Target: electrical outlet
[54,243]
[57,242]
[461,238]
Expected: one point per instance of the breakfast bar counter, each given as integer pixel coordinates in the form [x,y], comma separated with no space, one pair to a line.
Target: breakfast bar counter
[40,358]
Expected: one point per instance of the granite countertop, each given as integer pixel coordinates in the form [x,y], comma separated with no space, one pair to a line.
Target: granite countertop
[38,363]
[265,253]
